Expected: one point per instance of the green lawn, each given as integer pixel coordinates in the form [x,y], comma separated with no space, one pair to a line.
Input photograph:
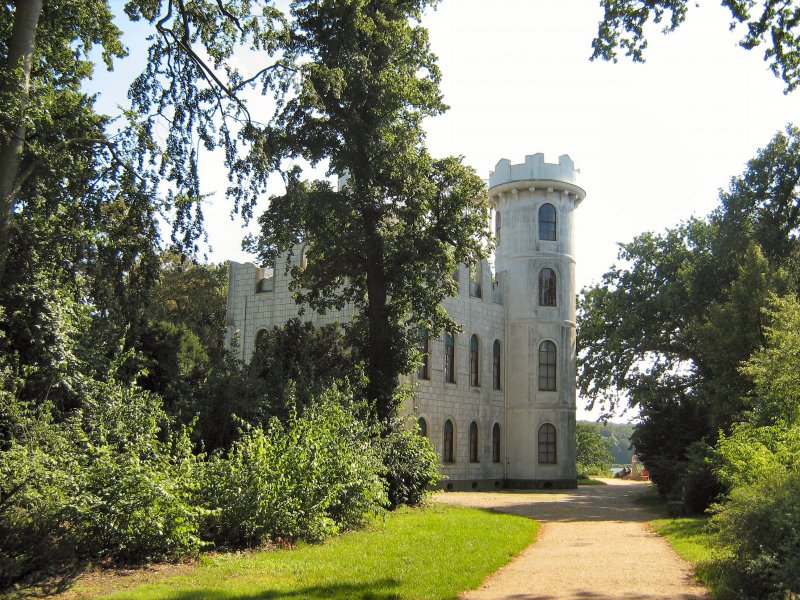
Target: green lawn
[589,481]
[434,552]
[687,537]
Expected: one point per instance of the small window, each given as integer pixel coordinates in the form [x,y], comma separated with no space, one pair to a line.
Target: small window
[422,424]
[547,444]
[547,366]
[547,287]
[423,371]
[496,443]
[449,358]
[447,451]
[496,365]
[474,361]
[473,442]
[497,226]
[547,222]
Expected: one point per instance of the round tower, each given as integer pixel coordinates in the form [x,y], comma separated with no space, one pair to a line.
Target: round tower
[534,260]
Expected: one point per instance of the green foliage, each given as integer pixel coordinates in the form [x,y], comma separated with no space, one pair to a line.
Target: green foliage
[593,450]
[775,368]
[301,355]
[412,466]
[759,524]
[110,481]
[669,329]
[768,22]
[387,241]
[305,479]
[619,435]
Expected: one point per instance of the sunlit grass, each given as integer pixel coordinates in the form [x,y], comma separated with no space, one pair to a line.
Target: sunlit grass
[434,552]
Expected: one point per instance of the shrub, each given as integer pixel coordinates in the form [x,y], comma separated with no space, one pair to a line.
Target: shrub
[700,484]
[109,482]
[304,479]
[412,466]
[759,522]
[760,525]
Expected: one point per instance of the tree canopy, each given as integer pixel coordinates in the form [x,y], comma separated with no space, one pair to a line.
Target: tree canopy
[668,329]
[771,23]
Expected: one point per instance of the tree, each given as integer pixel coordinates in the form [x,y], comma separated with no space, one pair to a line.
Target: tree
[771,22]
[593,450]
[668,331]
[353,82]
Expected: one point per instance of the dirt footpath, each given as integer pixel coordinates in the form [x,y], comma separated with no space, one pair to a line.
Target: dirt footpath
[594,543]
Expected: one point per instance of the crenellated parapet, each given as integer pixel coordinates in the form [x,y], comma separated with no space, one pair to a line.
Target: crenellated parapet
[536,173]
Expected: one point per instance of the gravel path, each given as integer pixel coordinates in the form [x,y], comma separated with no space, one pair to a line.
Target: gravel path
[594,543]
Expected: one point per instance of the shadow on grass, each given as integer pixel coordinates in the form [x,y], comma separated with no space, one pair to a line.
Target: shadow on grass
[378,589]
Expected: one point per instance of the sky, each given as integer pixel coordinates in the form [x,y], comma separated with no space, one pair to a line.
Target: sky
[654,142]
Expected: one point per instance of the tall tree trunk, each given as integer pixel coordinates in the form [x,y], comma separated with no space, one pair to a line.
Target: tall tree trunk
[15,84]
[381,368]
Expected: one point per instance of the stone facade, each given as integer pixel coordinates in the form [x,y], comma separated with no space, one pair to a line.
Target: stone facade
[522,319]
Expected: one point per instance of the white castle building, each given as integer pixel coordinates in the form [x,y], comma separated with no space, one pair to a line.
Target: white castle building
[497,399]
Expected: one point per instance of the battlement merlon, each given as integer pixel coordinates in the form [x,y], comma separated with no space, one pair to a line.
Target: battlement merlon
[534,172]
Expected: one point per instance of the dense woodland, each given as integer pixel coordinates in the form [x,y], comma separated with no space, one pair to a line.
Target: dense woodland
[127,434]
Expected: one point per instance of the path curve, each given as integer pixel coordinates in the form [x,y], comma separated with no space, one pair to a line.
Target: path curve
[594,543]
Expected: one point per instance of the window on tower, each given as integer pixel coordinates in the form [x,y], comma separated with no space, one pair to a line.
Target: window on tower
[547,222]
[547,287]
[547,444]
[547,366]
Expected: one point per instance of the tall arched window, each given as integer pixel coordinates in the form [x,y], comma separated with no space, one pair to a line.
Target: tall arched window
[497,225]
[547,287]
[496,443]
[304,256]
[547,366]
[422,424]
[547,444]
[447,450]
[449,358]
[547,222]
[474,361]
[496,365]
[423,371]
[473,442]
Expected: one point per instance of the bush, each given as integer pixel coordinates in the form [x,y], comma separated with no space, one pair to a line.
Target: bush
[109,482]
[760,525]
[759,522]
[700,484]
[303,479]
[412,466]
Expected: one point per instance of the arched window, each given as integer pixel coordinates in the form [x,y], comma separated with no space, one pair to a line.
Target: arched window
[547,287]
[304,256]
[496,365]
[423,371]
[473,442]
[497,226]
[496,443]
[547,366]
[449,358]
[474,361]
[422,424]
[547,444]
[447,450]
[547,222]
